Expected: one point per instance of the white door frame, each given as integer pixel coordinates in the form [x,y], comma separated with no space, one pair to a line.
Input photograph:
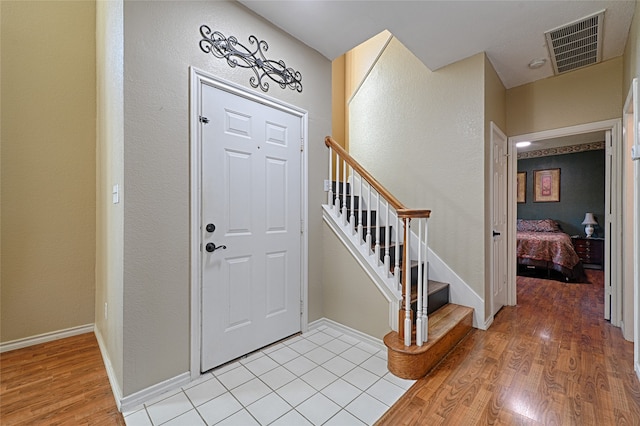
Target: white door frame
[631,128]
[197,78]
[495,130]
[612,259]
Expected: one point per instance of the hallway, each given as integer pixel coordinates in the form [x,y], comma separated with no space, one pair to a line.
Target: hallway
[552,359]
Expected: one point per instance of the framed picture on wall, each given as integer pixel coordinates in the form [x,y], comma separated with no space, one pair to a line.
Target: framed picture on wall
[546,186]
[522,187]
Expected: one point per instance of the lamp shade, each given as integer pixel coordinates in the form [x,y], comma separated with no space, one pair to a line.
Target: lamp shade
[589,219]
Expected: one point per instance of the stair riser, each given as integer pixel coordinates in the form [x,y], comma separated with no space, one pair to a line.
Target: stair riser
[347,204]
[334,189]
[435,301]
[365,217]
[392,255]
[381,237]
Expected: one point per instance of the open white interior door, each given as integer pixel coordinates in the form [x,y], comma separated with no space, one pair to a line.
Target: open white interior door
[499,212]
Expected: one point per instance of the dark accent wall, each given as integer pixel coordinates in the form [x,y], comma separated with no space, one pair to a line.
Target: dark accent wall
[582,190]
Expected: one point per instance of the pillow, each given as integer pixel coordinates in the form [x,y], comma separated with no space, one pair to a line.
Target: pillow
[538,225]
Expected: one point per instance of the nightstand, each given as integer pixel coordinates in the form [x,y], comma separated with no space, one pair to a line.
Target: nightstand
[590,251]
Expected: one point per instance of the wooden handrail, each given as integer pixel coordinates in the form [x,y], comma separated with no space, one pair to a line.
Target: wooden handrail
[393,201]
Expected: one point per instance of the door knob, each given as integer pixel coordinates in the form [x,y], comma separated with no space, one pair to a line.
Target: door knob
[210,227]
[495,233]
[210,247]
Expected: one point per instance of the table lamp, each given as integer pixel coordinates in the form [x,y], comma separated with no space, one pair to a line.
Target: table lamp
[589,221]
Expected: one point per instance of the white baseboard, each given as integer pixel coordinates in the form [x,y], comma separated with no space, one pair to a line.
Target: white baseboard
[129,402]
[113,380]
[45,337]
[135,399]
[348,331]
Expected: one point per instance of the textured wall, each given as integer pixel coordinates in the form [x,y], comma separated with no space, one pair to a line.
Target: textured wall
[48,167]
[421,133]
[582,96]
[161,41]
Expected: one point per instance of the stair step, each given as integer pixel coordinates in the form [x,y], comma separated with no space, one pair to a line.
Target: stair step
[447,327]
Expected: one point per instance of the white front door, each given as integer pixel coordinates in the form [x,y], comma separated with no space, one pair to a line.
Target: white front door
[251,225]
[498,219]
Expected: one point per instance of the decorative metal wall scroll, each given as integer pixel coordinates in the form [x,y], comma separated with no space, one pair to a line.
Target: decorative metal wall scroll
[236,54]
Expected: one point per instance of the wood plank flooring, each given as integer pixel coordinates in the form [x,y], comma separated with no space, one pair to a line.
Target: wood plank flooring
[63,382]
[550,360]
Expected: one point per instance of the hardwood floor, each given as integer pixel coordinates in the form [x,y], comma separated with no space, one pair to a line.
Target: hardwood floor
[550,360]
[57,383]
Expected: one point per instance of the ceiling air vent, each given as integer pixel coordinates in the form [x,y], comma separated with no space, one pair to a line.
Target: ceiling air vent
[577,44]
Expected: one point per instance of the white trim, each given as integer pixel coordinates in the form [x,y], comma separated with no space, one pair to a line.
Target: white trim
[459,291]
[45,337]
[111,374]
[614,259]
[196,78]
[130,402]
[326,322]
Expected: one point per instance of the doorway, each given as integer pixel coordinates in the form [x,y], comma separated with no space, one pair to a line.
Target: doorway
[248,211]
[613,180]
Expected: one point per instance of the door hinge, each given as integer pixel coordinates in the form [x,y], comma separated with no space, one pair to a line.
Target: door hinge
[302,226]
[301,145]
[204,120]
[301,307]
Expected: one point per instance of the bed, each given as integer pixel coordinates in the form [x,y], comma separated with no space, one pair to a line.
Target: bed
[542,244]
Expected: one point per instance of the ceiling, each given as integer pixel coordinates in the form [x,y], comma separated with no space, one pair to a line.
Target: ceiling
[439,33]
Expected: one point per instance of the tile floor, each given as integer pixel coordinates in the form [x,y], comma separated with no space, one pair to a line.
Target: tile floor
[322,377]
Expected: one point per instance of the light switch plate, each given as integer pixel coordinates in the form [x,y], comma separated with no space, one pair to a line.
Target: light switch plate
[635,152]
[116,194]
[327,185]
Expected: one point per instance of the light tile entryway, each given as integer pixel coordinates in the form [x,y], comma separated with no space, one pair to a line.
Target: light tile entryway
[323,377]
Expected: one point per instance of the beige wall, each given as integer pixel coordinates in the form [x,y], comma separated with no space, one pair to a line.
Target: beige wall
[160,43]
[48,167]
[582,96]
[435,121]
[110,171]
[632,52]
[350,297]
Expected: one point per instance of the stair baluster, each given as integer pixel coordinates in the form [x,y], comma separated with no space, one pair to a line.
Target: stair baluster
[368,237]
[419,329]
[396,267]
[377,246]
[330,200]
[406,277]
[336,201]
[344,192]
[360,210]
[387,241]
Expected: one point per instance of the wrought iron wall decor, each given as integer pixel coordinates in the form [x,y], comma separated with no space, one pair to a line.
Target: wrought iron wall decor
[236,54]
